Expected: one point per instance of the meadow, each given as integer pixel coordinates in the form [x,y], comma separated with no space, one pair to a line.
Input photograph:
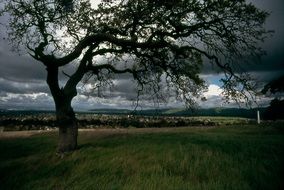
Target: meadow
[222,157]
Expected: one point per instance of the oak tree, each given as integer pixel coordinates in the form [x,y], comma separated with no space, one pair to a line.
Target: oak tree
[162,41]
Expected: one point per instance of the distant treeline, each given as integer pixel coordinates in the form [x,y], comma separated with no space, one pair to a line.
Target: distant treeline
[222,112]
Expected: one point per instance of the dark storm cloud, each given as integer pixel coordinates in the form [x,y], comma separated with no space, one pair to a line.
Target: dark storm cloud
[271,65]
[126,88]
[21,68]
[23,74]
[20,74]
[18,67]
[23,87]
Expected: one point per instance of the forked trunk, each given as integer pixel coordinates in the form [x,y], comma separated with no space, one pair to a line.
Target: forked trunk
[68,129]
[65,116]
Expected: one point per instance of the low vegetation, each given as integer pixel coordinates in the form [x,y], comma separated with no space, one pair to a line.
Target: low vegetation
[232,157]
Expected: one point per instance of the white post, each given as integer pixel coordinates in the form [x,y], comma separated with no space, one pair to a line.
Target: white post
[258,117]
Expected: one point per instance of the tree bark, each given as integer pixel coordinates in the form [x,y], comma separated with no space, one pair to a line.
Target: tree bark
[68,127]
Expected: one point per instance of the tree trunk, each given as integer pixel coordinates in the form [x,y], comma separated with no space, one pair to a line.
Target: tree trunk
[65,116]
[68,128]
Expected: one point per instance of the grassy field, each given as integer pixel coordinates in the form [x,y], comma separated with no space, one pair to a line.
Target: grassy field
[234,157]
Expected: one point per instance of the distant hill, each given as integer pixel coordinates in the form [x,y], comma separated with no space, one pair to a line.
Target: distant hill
[24,112]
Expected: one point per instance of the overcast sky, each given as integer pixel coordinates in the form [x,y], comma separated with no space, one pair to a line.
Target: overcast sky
[23,86]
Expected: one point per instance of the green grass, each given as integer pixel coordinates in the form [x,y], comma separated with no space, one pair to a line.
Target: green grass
[195,158]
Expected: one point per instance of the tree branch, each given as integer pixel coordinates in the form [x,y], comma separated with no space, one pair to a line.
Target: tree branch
[97,68]
[100,38]
[70,87]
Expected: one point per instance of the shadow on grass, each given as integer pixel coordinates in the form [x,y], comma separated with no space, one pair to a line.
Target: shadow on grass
[17,148]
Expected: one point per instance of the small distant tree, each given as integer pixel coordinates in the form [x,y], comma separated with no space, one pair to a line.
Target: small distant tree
[276,108]
[275,86]
[156,42]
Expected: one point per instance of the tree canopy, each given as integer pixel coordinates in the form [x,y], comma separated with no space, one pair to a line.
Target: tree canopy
[158,39]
